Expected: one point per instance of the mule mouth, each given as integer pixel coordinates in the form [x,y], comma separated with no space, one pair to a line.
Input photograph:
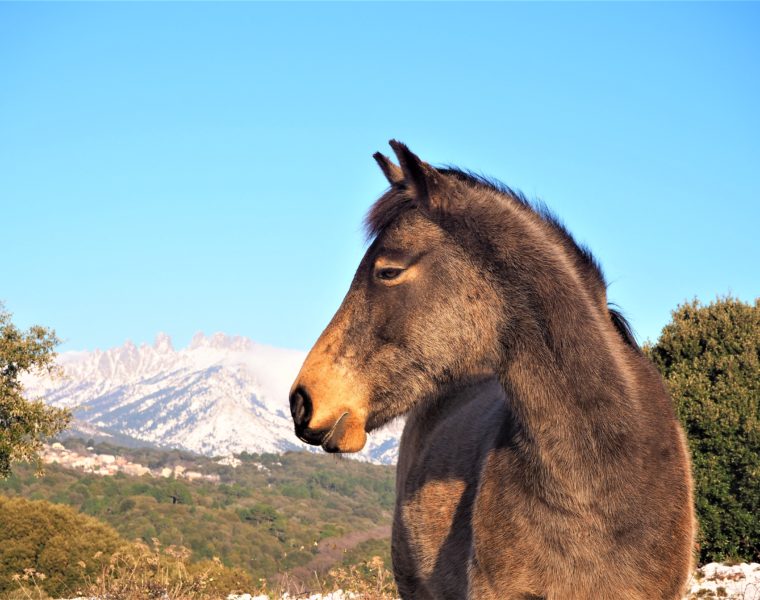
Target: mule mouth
[329,443]
[320,437]
[313,438]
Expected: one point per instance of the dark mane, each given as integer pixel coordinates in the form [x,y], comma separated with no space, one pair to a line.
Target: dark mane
[396,201]
[623,327]
[583,254]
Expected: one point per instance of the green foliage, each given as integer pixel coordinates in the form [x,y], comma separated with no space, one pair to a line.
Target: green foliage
[23,423]
[179,492]
[52,544]
[259,513]
[710,358]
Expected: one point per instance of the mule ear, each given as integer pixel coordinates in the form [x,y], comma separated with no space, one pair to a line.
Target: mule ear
[421,179]
[392,173]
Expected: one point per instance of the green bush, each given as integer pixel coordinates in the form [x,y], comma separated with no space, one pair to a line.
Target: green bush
[47,549]
[710,358]
[53,545]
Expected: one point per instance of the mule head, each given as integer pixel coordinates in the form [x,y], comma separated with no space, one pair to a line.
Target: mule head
[420,315]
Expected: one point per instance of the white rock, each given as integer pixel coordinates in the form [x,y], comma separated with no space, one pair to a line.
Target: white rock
[733,582]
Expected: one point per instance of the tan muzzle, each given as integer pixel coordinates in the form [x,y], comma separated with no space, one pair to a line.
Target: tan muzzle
[329,404]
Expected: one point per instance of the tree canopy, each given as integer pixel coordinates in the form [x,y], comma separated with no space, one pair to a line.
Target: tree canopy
[710,358]
[37,537]
[23,422]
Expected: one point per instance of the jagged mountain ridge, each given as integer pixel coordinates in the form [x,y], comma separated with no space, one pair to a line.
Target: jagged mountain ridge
[220,395]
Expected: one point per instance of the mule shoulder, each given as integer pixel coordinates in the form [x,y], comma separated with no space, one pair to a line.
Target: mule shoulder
[441,448]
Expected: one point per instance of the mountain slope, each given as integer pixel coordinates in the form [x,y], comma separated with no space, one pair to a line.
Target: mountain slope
[220,395]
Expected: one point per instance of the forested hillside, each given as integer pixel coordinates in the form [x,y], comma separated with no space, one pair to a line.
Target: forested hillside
[266,515]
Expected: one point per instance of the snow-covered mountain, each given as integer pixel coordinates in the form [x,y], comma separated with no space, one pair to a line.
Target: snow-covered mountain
[220,395]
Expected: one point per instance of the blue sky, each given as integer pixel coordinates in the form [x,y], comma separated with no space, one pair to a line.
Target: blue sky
[184,167]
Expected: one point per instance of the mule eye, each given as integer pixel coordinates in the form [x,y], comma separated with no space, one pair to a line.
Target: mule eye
[388,273]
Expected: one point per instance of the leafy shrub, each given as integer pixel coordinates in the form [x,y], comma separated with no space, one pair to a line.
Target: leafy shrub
[51,545]
[47,549]
[259,513]
[710,358]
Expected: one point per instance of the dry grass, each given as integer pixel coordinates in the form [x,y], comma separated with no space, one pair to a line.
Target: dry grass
[370,580]
[143,572]
[367,580]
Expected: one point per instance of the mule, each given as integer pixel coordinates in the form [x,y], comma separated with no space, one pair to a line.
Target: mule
[541,457]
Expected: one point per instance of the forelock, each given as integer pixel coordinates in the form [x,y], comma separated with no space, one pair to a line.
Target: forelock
[386,210]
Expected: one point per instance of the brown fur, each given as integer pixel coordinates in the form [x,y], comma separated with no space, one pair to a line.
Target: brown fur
[541,456]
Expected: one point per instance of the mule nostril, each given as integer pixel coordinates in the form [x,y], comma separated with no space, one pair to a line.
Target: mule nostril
[300,407]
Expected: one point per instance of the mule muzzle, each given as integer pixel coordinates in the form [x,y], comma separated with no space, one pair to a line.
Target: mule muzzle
[344,434]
